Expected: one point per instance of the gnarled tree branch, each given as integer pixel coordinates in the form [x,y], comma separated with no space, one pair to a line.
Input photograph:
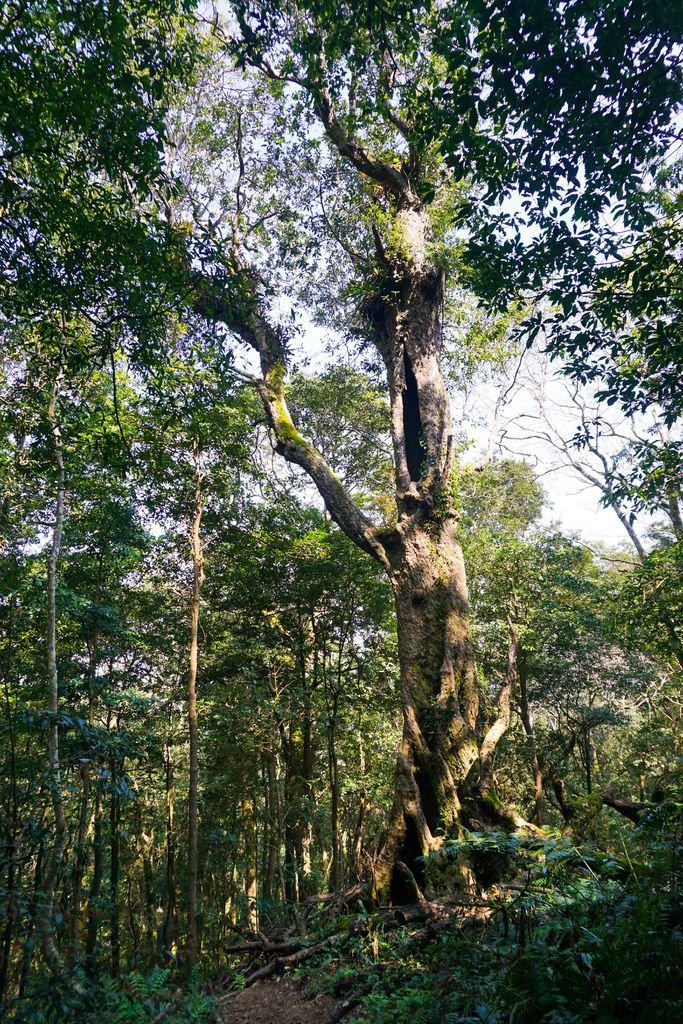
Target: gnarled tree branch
[252,327]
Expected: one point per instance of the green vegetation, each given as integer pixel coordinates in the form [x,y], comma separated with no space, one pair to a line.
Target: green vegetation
[297,673]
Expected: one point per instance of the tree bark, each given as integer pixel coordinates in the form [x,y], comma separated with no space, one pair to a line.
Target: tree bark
[193,728]
[145,846]
[272,839]
[293,745]
[439,747]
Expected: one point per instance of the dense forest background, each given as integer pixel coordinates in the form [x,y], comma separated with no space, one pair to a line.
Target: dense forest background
[302,308]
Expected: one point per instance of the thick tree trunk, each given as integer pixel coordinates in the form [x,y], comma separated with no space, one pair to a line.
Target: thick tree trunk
[440,701]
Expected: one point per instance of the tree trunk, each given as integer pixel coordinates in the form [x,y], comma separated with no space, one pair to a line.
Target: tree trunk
[193,730]
[307,787]
[54,864]
[440,701]
[564,801]
[95,885]
[114,876]
[169,932]
[272,838]
[28,943]
[81,850]
[356,850]
[250,862]
[12,846]
[79,864]
[145,846]
[501,724]
[295,817]
[530,732]
[333,767]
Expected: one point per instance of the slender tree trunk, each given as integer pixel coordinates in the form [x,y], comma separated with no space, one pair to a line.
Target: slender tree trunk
[28,943]
[333,764]
[54,864]
[95,885]
[364,804]
[114,877]
[250,861]
[293,810]
[272,837]
[145,847]
[307,789]
[80,860]
[169,932]
[12,817]
[502,722]
[356,852]
[280,827]
[133,926]
[81,851]
[193,728]
[530,732]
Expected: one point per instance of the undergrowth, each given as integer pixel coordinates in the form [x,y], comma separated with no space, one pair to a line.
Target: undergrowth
[578,936]
[132,999]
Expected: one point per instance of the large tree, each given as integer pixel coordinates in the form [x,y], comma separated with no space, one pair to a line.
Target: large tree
[369,143]
[370,117]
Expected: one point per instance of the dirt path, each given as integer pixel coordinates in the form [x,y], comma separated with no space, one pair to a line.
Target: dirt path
[276,1002]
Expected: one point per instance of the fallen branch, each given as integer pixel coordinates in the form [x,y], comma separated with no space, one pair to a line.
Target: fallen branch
[264,947]
[280,962]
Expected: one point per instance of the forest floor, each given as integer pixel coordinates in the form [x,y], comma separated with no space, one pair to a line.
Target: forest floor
[277,1002]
